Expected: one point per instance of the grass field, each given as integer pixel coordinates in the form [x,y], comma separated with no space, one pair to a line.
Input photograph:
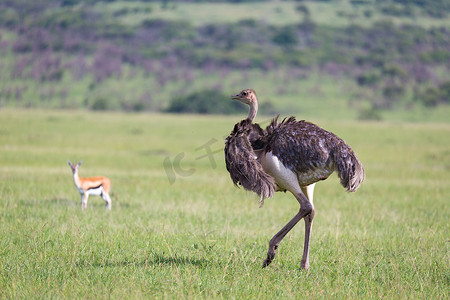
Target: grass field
[178,227]
[273,12]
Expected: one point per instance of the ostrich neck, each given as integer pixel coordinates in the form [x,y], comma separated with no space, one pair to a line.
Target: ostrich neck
[253,111]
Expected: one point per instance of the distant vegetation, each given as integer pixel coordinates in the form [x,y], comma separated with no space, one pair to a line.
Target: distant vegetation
[205,102]
[212,102]
[76,53]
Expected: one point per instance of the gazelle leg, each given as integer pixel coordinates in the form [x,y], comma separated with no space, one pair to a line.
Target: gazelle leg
[305,209]
[84,200]
[107,199]
[308,191]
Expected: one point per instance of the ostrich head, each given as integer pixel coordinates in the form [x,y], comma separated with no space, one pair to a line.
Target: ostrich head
[248,96]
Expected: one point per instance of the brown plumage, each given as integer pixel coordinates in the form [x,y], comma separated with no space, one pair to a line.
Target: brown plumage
[287,156]
[308,149]
[242,162]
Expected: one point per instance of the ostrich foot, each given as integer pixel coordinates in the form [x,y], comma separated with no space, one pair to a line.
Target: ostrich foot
[304,265]
[270,256]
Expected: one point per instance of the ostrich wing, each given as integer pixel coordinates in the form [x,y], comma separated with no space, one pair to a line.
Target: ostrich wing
[313,153]
[241,160]
[301,146]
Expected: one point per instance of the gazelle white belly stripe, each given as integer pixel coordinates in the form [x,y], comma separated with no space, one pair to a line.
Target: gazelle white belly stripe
[94,191]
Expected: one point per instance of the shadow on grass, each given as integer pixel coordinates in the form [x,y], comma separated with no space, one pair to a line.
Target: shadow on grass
[154,259]
[176,260]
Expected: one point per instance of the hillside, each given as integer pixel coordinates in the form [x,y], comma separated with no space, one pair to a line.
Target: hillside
[338,59]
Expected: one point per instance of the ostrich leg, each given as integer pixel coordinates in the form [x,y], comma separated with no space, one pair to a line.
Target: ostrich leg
[308,225]
[306,209]
[308,191]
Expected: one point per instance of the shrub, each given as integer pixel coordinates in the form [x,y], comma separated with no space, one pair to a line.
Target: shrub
[433,96]
[369,114]
[435,56]
[100,103]
[205,102]
[285,37]
[393,91]
[368,79]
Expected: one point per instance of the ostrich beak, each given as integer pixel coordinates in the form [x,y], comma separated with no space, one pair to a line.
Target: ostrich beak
[236,97]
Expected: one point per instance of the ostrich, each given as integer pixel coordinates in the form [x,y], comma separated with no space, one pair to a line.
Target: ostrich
[287,156]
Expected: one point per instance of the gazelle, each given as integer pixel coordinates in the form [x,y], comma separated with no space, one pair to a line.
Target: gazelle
[97,186]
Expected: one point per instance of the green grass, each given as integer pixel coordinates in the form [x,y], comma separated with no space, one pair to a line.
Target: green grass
[200,237]
[277,13]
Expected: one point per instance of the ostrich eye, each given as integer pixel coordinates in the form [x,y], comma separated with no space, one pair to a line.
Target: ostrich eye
[244,93]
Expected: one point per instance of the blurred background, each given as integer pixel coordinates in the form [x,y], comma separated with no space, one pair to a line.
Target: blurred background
[341,59]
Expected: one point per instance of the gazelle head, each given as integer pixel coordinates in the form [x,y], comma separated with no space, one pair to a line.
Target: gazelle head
[74,168]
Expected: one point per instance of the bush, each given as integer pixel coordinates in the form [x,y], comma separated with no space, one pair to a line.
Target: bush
[393,91]
[205,102]
[100,103]
[368,79]
[285,37]
[433,96]
[370,114]
[435,56]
